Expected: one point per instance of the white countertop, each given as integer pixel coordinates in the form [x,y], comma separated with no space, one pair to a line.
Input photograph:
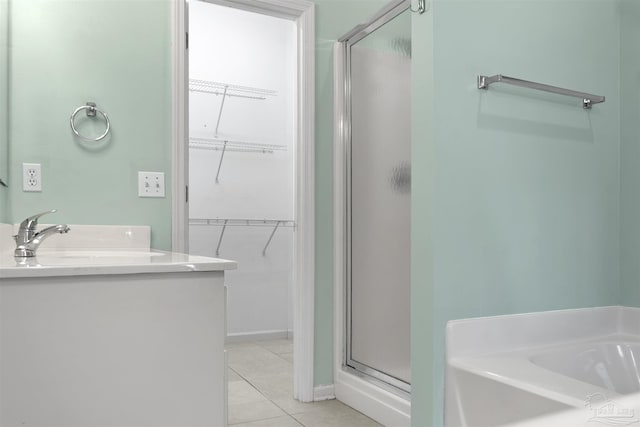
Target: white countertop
[90,262]
[89,250]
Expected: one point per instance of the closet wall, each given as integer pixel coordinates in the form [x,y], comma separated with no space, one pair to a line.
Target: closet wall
[252,57]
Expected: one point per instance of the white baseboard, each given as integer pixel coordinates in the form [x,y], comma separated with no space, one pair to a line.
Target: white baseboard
[258,336]
[324,392]
[384,407]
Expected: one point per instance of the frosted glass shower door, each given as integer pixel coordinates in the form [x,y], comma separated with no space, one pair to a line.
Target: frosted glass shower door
[380,203]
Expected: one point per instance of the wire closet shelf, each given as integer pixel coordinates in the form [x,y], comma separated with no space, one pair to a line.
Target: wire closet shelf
[229,90]
[220,144]
[236,222]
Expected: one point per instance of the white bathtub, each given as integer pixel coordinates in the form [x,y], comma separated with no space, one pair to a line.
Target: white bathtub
[510,369]
[612,365]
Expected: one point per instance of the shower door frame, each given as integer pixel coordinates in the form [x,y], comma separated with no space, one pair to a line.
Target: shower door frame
[380,396]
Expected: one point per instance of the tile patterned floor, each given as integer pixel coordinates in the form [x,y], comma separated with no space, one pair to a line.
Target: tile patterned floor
[261,389]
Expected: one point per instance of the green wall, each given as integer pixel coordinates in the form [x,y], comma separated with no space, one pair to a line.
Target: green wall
[422,229]
[516,193]
[117,54]
[4,161]
[630,147]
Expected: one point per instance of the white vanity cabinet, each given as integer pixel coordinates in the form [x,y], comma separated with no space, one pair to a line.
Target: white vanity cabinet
[102,343]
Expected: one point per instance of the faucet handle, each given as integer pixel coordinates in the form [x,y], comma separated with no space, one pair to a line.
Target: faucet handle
[32,222]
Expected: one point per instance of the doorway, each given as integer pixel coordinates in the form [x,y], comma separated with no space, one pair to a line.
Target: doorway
[218,137]
[241,163]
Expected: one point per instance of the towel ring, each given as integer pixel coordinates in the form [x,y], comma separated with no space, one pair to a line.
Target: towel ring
[91,112]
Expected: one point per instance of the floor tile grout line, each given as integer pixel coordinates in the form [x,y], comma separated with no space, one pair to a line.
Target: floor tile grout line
[294,419]
[298,423]
[290,342]
[246,380]
[265,419]
[283,409]
[279,355]
[262,419]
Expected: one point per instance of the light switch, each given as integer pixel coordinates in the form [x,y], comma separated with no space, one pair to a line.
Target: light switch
[150,184]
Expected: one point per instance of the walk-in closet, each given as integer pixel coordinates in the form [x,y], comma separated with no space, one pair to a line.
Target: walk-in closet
[241,160]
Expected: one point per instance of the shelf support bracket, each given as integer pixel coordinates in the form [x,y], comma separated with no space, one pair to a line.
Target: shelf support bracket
[224,96]
[224,227]
[224,148]
[264,251]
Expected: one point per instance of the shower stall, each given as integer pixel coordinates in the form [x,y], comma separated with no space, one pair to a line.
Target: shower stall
[373,224]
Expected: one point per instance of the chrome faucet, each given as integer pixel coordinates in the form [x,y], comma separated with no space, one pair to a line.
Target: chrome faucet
[28,240]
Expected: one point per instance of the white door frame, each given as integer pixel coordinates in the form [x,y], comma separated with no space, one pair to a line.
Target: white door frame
[302,12]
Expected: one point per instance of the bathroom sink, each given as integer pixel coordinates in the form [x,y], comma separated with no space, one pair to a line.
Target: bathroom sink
[96,257]
[100,254]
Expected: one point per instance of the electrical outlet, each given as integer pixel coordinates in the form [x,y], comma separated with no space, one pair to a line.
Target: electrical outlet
[31,177]
[150,184]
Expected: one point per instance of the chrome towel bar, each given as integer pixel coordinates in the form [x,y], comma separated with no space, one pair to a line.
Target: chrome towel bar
[587,99]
